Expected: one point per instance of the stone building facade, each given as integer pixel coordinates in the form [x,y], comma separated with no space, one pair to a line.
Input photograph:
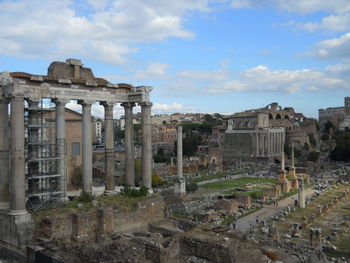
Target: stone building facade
[260,133]
[336,115]
[249,135]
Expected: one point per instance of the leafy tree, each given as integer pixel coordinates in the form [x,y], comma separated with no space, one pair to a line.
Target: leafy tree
[160,156]
[313,156]
[191,187]
[287,150]
[327,126]
[189,145]
[312,140]
[119,134]
[137,127]
[342,150]
[209,118]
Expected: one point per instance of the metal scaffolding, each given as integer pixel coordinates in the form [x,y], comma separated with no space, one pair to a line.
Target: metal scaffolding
[43,181]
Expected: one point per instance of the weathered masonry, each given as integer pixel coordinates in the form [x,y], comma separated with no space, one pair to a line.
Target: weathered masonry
[32,168]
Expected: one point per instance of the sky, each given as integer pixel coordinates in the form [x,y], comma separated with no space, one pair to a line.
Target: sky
[205,56]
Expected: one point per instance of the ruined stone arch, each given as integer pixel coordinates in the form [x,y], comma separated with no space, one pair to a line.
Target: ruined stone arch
[278,116]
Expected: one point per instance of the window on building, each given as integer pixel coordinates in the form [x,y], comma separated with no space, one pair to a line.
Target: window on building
[75,148]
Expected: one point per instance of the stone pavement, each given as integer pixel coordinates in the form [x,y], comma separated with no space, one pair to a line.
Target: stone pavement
[244,223]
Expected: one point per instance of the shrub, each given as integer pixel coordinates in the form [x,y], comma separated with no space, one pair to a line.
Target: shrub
[134,192]
[157,180]
[85,197]
[191,187]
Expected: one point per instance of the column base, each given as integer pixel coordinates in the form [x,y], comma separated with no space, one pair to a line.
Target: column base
[110,192]
[180,186]
[18,212]
[16,229]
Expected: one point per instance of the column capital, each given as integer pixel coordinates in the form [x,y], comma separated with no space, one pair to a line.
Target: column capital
[179,128]
[128,104]
[106,104]
[60,101]
[86,102]
[146,104]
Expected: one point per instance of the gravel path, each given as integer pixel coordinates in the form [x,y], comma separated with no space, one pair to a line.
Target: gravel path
[244,223]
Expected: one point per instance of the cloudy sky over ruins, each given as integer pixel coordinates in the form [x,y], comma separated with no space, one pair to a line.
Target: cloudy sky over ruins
[200,55]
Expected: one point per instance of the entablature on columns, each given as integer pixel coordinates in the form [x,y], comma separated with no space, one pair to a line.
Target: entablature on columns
[37,87]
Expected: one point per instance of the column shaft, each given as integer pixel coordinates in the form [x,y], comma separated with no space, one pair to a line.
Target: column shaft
[87,148]
[109,152]
[4,155]
[17,179]
[257,144]
[146,144]
[179,151]
[61,145]
[129,144]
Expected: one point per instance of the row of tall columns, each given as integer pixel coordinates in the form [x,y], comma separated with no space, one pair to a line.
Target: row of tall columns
[269,144]
[12,181]
[146,144]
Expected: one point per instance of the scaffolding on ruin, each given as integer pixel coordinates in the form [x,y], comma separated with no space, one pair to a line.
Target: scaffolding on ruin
[43,181]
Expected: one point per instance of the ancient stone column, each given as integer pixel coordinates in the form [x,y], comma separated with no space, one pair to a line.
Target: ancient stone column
[282,163]
[146,144]
[61,145]
[180,186]
[129,144]
[257,143]
[301,194]
[87,147]
[17,179]
[109,151]
[179,151]
[4,155]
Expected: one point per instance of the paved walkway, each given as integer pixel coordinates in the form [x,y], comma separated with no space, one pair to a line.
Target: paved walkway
[244,223]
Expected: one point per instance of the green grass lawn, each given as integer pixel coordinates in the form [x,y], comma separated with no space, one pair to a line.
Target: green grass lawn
[238,183]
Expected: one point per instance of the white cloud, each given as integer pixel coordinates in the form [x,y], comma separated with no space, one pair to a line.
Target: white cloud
[153,70]
[336,48]
[60,29]
[169,108]
[262,79]
[337,23]
[297,6]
